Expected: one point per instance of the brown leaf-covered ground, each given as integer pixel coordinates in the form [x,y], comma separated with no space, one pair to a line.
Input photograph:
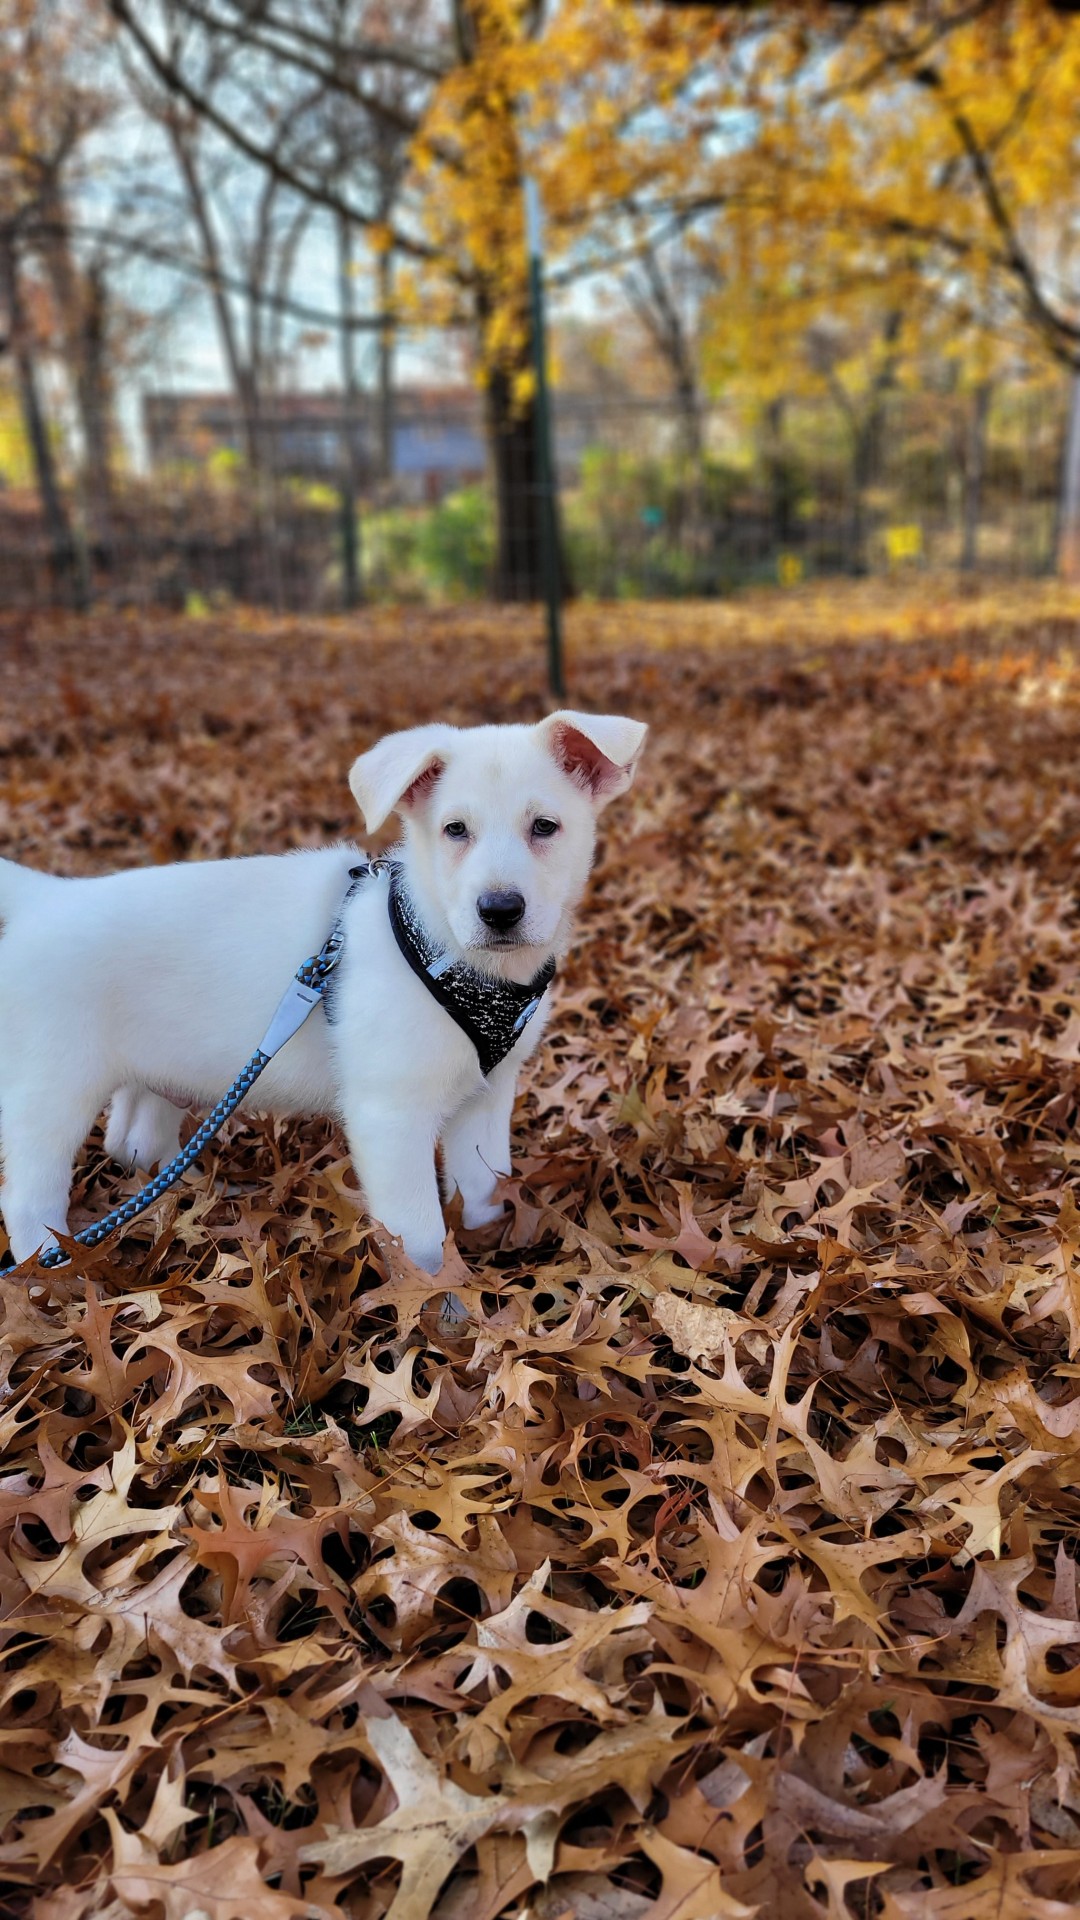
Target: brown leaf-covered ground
[727,1561]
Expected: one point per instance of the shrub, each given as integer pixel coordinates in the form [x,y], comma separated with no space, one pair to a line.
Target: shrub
[443,552]
[455,546]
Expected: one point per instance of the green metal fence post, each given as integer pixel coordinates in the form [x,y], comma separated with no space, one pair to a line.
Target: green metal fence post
[549,530]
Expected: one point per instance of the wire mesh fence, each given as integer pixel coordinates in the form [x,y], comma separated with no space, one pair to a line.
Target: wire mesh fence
[654,499]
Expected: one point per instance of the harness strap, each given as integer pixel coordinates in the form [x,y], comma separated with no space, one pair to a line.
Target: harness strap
[493,1013]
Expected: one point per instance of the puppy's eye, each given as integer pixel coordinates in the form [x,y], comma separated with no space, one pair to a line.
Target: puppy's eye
[456,830]
[543,828]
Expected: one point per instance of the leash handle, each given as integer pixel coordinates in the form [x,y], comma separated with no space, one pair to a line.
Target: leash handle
[301,996]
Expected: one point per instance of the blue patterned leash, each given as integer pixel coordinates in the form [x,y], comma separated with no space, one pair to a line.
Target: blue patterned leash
[301,996]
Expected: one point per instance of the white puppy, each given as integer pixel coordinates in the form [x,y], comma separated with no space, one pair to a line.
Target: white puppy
[150,989]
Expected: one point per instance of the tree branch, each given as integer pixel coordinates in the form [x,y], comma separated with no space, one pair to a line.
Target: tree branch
[401,54]
[895,55]
[108,239]
[320,195]
[1016,258]
[332,80]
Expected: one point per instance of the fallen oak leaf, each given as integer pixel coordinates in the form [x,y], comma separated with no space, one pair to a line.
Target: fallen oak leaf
[632,1757]
[690,1241]
[280,1538]
[836,1876]
[692,1885]
[844,1564]
[394,1392]
[502,1652]
[1023,1676]
[510,1389]
[421,1564]
[102,1770]
[502,1875]
[149,1618]
[169,1812]
[698,1331]
[50,1496]
[103,1521]
[193,1371]
[224,1884]
[981,1511]
[997,1894]
[456,1497]
[432,1825]
[410,1289]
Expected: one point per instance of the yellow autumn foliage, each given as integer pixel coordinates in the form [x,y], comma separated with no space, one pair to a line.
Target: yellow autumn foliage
[914,157]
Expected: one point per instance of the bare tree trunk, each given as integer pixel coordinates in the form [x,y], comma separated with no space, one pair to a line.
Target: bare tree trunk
[864,446]
[257,427]
[691,459]
[866,423]
[95,407]
[67,572]
[514,441]
[241,374]
[974,474]
[81,304]
[512,432]
[654,296]
[514,448]
[385,284]
[350,423]
[781,502]
[691,423]
[512,421]
[1068,533]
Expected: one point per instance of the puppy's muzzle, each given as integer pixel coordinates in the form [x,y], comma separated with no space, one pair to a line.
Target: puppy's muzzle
[500,910]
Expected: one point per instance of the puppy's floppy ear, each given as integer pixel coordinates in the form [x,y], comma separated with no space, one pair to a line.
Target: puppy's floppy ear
[398,773]
[598,750]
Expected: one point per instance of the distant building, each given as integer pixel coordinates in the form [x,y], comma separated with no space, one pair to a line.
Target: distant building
[437,440]
[438,436]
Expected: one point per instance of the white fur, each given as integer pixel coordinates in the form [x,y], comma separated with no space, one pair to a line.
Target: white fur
[150,989]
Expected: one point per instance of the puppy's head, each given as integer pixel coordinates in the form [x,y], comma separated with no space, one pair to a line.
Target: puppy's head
[500,824]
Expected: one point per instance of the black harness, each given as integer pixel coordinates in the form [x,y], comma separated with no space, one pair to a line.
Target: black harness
[492,1013]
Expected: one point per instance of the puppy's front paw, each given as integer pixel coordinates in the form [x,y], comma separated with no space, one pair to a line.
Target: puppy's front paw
[483,1213]
[429,1258]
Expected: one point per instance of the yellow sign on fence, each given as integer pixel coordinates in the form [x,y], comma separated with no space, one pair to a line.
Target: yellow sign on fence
[789,569]
[903,543]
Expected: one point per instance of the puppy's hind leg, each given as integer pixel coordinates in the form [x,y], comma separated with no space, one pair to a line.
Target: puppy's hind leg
[118,1124]
[41,1136]
[143,1128]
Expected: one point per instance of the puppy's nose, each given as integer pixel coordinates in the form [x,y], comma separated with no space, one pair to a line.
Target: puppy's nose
[500,910]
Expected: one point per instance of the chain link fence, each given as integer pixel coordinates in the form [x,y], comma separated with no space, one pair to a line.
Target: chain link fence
[654,500]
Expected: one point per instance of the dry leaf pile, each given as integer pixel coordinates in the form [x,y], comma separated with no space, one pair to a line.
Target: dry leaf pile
[726,1562]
